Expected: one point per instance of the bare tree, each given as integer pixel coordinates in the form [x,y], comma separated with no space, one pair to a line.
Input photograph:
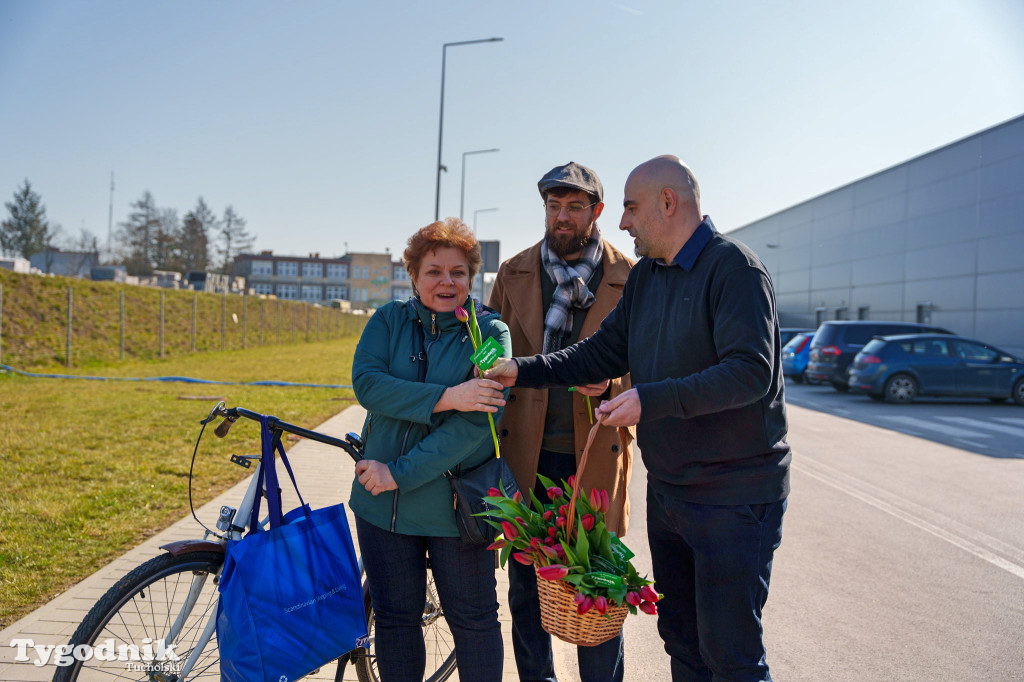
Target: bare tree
[234,238]
[167,240]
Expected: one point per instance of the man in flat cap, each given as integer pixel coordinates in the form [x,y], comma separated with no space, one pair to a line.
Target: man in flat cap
[550,296]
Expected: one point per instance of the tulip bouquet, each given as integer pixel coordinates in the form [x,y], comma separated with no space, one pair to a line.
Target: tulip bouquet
[580,551]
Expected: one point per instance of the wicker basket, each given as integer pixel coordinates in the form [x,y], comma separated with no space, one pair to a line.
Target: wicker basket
[559,617]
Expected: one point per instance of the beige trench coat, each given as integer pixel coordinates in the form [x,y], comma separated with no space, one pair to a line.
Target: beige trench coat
[517,296]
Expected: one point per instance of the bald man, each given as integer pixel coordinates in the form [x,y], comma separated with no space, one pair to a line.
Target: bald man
[697,330]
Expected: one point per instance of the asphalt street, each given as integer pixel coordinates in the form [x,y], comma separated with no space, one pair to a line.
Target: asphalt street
[903,547]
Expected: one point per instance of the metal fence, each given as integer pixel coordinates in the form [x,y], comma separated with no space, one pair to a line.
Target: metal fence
[87,322]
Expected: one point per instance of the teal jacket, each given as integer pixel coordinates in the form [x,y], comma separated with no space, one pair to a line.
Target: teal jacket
[385,379]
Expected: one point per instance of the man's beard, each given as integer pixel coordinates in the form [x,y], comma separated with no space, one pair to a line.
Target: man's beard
[563,245]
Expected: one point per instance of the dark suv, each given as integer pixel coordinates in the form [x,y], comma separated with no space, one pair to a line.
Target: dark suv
[837,342]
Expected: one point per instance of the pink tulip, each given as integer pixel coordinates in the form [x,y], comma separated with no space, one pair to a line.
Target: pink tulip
[518,497]
[494,492]
[563,510]
[649,593]
[588,522]
[578,599]
[461,315]
[552,572]
[595,499]
[554,492]
[548,515]
[510,531]
[560,551]
[552,532]
[497,544]
[520,521]
[633,598]
[605,502]
[585,605]
[560,522]
[572,480]
[549,552]
[601,604]
[525,558]
[650,608]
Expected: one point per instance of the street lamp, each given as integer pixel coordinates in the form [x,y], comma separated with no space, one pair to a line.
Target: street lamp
[462,192]
[480,210]
[440,124]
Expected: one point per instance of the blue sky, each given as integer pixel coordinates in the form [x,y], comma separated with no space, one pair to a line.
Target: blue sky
[318,120]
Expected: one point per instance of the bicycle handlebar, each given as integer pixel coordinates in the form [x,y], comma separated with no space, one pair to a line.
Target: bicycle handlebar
[231,414]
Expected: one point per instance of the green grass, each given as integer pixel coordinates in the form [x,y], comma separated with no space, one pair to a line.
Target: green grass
[90,469]
[34,322]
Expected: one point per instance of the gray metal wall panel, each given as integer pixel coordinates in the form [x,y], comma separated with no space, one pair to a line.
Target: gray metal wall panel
[830,276]
[795,257]
[945,227]
[829,251]
[944,194]
[885,184]
[1002,177]
[1004,329]
[949,260]
[882,212]
[947,293]
[999,254]
[937,165]
[881,298]
[878,241]
[794,280]
[879,270]
[835,225]
[1001,290]
[836,201]
[957,321]
[1002,215]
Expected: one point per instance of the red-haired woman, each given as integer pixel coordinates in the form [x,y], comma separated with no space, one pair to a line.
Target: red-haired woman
[417,428]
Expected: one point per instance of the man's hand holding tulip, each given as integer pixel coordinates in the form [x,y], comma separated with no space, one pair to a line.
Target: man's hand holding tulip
[504,371]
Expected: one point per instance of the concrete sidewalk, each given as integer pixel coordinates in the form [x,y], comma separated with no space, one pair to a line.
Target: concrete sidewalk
[324,476]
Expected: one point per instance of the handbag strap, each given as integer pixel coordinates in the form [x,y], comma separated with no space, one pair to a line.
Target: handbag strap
[570,517]
[270,442]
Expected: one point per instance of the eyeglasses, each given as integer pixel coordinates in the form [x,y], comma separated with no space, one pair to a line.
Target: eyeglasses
[575,208]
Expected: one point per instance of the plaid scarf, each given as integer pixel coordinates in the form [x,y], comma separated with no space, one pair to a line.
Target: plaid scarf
[571,292]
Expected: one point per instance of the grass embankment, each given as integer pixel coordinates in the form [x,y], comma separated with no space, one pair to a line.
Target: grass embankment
[89,469]
[34,319]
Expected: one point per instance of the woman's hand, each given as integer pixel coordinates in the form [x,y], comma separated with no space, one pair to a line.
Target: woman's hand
[475,395]
[375,476]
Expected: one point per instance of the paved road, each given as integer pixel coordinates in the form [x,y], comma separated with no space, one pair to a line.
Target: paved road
[995,430]
[902,559]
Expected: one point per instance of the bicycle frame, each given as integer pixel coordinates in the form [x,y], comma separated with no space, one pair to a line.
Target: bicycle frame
[234,532]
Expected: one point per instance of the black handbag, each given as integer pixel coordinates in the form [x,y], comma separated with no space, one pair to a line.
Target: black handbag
[471,486]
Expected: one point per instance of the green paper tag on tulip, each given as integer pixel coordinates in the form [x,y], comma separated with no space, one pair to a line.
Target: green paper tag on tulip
[602,579]
[621,552]
[487,353]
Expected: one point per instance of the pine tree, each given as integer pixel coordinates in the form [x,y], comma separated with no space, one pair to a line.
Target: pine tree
[234,238]
[195,237]
[136,236]
[27,231]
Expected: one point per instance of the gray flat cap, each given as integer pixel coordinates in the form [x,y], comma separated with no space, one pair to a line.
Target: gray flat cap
[573,176]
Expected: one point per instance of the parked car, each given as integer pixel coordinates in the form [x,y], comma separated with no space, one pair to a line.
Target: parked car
[786,334]
[795,355]
[837,341]
[897,369]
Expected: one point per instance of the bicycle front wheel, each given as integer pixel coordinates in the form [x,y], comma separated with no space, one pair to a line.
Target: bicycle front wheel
[437,638]
[166,601]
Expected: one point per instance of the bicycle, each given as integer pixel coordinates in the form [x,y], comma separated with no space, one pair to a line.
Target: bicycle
[170,601]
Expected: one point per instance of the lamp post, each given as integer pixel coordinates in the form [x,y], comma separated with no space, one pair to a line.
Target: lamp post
[440,124]
[480,210]
[462,192]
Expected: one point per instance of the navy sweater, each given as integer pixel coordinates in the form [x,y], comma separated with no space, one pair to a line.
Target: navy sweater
[700,338]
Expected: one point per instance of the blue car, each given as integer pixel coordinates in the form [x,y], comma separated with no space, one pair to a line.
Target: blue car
[897,369]
[795,355]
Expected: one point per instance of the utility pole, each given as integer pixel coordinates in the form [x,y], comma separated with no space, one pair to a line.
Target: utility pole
[110,219]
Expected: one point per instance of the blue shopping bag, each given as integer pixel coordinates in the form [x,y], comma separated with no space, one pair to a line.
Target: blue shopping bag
[290,596]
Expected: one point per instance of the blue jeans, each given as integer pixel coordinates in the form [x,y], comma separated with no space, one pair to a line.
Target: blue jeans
[530,642]
[396,568]
[713,564]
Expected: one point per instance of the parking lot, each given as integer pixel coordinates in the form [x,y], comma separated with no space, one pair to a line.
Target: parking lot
[976,425]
